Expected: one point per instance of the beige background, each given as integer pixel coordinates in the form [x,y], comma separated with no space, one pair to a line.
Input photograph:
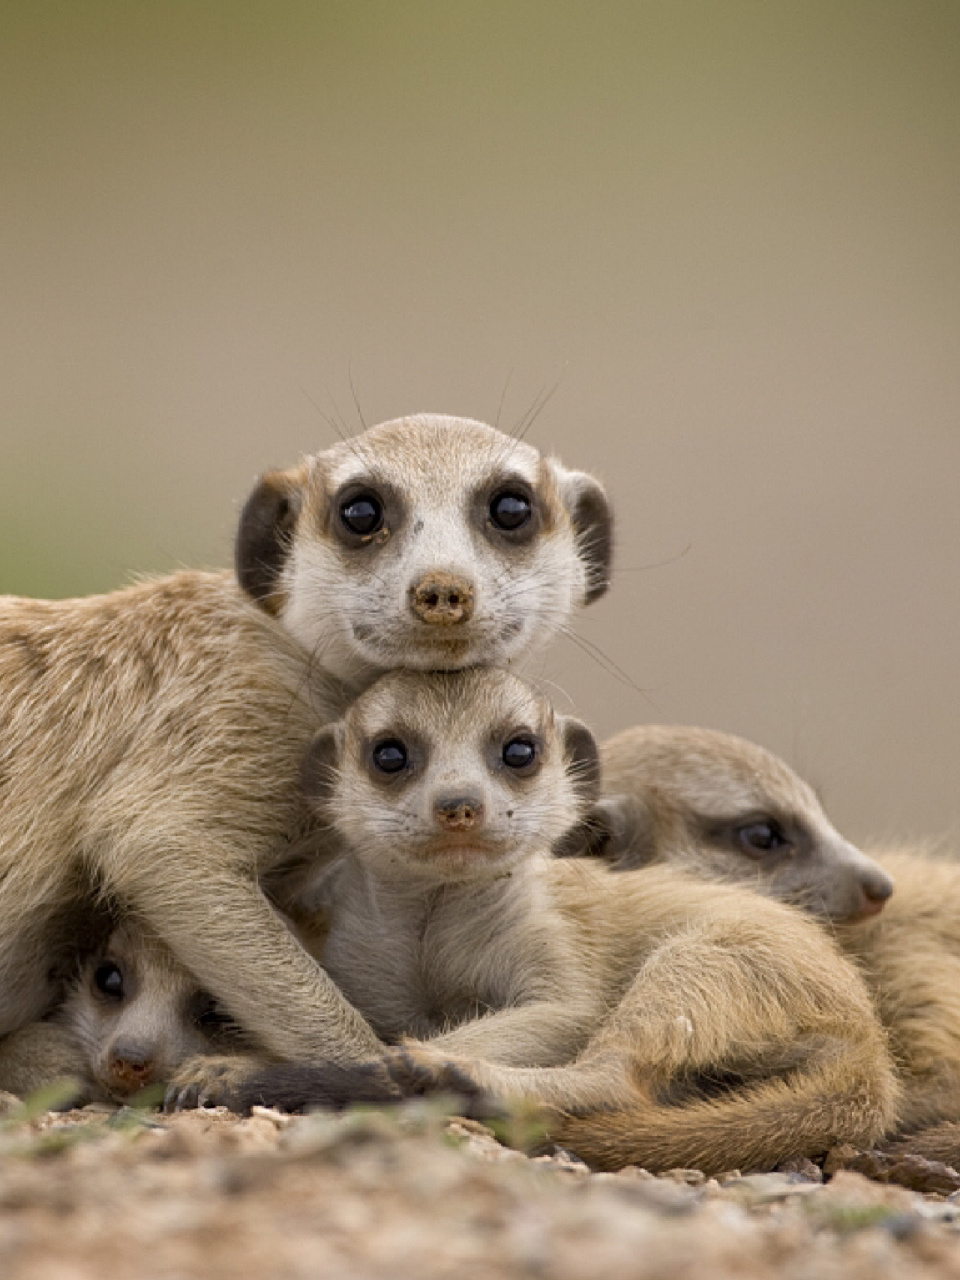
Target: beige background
[731,230]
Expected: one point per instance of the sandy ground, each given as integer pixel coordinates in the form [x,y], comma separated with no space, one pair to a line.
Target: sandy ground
[89,1194]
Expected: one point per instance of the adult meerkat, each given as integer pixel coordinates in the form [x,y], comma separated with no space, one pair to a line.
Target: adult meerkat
[725,809]
[151,739]
[739,1036]
[131,1015]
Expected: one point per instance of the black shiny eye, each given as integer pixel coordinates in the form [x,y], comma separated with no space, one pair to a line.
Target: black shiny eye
[362,514]
[519,753]
[390,756]
[761,837]
[510,509]
[109,980]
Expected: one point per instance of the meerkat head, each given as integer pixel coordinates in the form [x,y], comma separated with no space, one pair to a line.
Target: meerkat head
[451,775]
[430,542]
[727,809]
[138,1013]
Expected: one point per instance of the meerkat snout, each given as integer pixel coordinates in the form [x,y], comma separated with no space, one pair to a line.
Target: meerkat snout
[442,599]
[458,813]
[131,1064]
[876,887]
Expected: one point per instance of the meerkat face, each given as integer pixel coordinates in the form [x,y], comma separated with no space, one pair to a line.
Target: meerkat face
[452,775]
[430,542]
[138,1013]
[730,810]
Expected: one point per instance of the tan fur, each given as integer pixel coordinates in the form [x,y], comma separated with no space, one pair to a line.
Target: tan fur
[696,787]
[910,957]
[151,739]
[622,1001]
[693,797]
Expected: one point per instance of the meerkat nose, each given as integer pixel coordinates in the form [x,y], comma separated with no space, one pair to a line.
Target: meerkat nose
[442,599]
[877,888]
[131,1064]
[458,813]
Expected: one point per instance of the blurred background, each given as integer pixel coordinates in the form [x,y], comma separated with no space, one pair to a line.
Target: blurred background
[726,235]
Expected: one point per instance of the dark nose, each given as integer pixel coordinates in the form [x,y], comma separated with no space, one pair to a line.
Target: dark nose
[443,599]
[131,1064]
[458,813]
[877,887]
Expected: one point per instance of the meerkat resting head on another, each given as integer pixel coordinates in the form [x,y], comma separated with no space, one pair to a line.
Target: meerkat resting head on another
[726,809]
[428,542]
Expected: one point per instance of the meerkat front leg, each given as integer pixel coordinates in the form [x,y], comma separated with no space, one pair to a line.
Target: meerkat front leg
[40,1054]
[227,934]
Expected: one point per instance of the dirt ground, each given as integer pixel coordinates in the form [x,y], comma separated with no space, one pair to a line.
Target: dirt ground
[92,1195]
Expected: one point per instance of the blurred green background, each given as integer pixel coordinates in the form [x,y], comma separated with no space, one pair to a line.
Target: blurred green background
[730,229]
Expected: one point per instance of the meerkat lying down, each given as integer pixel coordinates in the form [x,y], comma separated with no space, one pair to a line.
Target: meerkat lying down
[739,1036]
[131,1015]
[151,739]
[726,809]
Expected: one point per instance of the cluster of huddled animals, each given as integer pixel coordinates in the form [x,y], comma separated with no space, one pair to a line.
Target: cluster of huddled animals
[298,835]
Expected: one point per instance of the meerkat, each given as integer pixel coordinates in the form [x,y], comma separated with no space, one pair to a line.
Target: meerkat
[131,1015]
[151,739]
[739,1036]
[726,809]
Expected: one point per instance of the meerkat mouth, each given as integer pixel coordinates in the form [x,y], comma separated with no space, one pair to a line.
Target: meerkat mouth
[460,849]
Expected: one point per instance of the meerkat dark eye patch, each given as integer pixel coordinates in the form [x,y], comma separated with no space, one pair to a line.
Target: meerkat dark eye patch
[361,513]
[389,756]
[521,754]
[108,980]
[510,509]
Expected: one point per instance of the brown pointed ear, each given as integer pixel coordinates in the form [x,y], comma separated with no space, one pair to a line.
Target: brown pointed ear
[617,828]
[592,518]
[582,757]
[265,534]
[320,766]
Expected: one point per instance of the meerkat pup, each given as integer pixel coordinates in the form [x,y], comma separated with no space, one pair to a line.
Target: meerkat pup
[725,809]
[151,739]
[738,1034]
[130,1017]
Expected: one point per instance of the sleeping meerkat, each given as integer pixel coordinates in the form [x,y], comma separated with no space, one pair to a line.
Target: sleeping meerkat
[726,809]
[151,739]
[739,1036]
[130,1017]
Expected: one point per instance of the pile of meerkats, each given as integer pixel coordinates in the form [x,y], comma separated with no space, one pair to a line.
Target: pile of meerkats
[298,835]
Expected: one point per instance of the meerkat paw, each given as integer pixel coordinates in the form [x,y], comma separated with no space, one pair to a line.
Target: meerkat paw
[419,1069]
[206,1081]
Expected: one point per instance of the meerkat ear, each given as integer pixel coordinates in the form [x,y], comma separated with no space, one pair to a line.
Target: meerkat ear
[616,828]
[263,538]
[592,518]
[320,766]
[582,757]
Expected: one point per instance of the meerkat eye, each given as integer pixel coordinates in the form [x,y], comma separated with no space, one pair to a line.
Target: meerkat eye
[510,509]
[520,753]
[362,514]
[109,980]
[390,756]
[761,837]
